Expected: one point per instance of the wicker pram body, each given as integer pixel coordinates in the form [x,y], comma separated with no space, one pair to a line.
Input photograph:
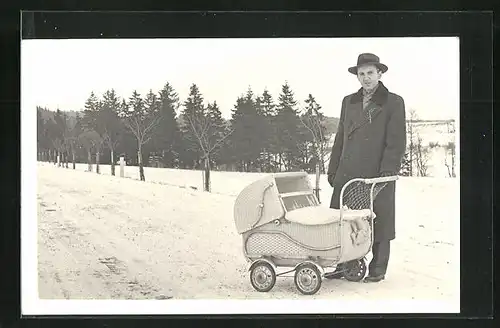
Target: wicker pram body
[282,224]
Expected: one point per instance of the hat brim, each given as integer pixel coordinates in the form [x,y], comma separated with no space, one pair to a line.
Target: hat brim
[354,69]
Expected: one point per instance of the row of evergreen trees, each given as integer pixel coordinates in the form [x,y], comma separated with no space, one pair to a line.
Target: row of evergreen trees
[157,129]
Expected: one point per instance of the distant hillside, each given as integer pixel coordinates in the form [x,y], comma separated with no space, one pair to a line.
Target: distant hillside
[333,122]
[438,122]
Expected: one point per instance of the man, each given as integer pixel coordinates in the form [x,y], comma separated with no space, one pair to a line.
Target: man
[370,142]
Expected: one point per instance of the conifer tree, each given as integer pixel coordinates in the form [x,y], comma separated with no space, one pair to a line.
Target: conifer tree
[60,136]
[204,127]
[92,123]
[217,131]
[269,131]
[90,112]
[167,139]
[40,135]
[193,111]
[288,130]
[110,126]
[73,143]
[50,136]
[246,142]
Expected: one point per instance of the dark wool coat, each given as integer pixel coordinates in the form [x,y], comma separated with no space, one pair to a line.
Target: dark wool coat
[369,146]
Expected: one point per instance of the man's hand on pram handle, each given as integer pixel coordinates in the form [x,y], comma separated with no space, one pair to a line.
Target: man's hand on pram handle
[383,177]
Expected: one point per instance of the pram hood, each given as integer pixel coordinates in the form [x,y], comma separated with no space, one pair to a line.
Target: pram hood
[260,202]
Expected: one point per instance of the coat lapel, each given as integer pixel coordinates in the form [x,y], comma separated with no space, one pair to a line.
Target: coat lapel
[360,117]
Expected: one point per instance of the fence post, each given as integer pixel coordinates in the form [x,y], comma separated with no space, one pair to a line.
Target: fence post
[317,181]
[203,179]
[122,166]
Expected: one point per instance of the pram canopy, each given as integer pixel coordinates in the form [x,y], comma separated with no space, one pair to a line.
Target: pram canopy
[270,198]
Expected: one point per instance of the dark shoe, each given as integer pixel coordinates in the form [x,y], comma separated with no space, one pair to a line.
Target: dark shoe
[337,274]
[334,275]
[374,278]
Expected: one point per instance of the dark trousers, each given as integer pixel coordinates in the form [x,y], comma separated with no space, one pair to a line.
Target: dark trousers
[381,251]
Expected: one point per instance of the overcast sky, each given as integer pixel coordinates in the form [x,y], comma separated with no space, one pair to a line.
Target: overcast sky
[62,73]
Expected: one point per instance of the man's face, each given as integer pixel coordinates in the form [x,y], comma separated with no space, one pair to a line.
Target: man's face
[368,76]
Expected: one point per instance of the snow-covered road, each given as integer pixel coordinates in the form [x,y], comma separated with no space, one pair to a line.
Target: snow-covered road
[104,237]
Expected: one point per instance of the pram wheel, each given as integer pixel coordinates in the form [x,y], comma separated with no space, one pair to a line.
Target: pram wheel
[307,279]
[355,270]
[262,276]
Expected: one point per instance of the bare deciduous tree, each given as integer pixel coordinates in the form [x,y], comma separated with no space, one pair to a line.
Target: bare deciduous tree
[111,144]
[412,136]
[73,146]
[90,140]
[67,149]
[59,147]
[98,143]
[141,118]
[421,157]
[70,135]
[110,125]
[313,121]
[142,131]
[450,151]
[209,138]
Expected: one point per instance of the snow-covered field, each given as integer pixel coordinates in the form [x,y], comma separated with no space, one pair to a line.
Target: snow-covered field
[105,237]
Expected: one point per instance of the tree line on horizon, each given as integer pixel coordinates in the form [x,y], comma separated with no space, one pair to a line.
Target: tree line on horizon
[264,133]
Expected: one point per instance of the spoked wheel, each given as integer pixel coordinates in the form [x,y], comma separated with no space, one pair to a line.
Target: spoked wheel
[355,270]
[262,276]
[307,279]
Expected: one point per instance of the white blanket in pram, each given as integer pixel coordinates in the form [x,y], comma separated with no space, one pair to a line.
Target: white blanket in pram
[320,215]
[315,215]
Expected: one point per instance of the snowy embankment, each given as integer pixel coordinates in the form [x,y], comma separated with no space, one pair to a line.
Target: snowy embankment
[109,237]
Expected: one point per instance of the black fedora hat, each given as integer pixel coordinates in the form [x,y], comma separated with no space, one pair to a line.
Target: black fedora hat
[368,59]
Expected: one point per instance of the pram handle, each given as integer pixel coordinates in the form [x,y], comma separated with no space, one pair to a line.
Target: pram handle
[368,181]
[372,181]
[380,179]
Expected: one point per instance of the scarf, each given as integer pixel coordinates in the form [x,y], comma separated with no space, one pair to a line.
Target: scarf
[367,95]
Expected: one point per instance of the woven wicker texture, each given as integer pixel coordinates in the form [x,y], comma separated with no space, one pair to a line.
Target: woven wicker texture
[357,195]
[319,236]
[257,204]
[287,238]
[305,230]
[274,244]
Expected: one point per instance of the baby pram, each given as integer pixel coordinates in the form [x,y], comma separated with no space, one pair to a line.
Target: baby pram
[283,225]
